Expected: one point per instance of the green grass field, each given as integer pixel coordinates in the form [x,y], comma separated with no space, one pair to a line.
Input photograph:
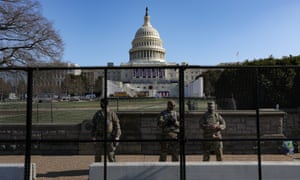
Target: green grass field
[77,111]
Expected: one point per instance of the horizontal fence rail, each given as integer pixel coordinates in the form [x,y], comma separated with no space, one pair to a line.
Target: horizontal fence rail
[260,89]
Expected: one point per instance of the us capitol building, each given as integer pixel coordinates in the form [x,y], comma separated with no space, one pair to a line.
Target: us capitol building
[147,51]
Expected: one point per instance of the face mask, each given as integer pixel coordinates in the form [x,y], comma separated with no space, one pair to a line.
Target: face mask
[171,106]
[211,109]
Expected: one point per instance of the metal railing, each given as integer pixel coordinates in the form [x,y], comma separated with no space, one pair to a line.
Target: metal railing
[256,70]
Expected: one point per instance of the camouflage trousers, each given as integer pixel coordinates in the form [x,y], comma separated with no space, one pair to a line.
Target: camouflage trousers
[110,147]
[167,147]
[216,146]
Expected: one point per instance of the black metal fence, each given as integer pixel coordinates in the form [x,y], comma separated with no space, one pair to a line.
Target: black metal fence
[231,87]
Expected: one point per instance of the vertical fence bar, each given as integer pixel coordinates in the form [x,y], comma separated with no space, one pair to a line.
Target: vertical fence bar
[104,125]
[182,125]
[258,124]
[37,112]
[27,163]
[51,110]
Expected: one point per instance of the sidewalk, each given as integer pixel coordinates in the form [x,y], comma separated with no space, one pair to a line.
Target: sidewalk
[77,167]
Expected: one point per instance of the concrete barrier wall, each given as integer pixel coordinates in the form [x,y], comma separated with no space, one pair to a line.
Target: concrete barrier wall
[195,171]
[15,171]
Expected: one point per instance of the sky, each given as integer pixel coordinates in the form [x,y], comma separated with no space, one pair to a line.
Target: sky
[198,32]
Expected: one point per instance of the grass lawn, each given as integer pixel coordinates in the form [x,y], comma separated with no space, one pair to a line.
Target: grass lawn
[77,111]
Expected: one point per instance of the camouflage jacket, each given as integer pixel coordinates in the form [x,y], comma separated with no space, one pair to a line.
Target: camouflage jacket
[212,124]
[112,123]
[168,121]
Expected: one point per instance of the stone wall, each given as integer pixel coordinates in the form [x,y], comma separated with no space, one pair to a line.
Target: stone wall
[291,125]
[141,127]
[47,132]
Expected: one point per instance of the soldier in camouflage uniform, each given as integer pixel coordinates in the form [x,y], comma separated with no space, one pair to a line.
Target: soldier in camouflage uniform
[212,123]
[169,124]
[113,131]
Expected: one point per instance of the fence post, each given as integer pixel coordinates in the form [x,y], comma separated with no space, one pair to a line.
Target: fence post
[182,125]
[258,124]
[27,163]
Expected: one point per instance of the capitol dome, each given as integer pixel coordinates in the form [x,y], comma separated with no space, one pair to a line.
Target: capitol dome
[147,45]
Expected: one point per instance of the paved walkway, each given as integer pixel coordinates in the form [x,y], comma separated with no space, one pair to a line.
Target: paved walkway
[77,167]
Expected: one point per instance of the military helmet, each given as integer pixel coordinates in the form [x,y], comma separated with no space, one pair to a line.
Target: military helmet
[171,102]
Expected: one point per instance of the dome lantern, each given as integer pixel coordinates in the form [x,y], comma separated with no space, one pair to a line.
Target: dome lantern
[147,45]
[147,19]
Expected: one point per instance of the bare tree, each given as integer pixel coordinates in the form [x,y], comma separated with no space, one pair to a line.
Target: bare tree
[26,36]
[5,88]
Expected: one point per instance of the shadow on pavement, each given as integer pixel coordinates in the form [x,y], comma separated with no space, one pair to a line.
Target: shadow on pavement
[64,173]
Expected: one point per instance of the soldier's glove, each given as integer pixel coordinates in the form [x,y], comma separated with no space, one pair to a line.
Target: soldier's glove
[115,143]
